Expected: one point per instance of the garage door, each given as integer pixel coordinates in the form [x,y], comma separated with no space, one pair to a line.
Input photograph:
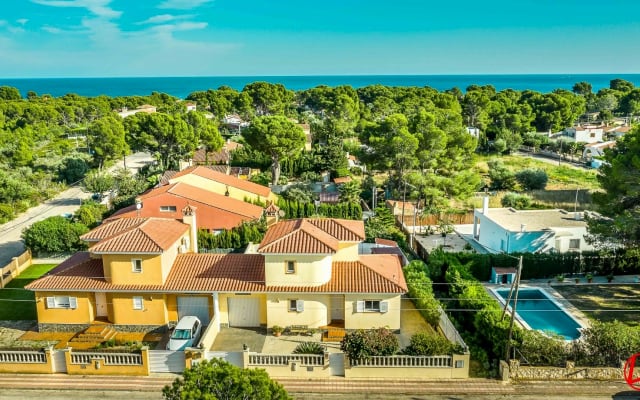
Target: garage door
[193,305]
[244,311]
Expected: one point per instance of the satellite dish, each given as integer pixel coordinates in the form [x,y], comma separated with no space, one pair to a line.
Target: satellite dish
[281,213]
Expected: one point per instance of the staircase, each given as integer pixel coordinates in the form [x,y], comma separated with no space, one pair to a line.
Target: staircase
[93,336]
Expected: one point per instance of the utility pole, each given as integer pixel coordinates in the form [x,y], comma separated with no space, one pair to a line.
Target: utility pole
[513,310]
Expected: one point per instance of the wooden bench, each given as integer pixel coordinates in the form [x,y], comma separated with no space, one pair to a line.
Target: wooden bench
[334,335]
[298,330]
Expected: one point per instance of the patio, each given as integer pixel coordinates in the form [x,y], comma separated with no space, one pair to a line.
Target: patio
[259,341]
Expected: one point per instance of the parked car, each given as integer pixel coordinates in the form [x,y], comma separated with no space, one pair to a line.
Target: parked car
[186,333]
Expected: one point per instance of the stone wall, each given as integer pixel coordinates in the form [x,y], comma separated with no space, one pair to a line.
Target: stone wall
[570,372]
[120,328]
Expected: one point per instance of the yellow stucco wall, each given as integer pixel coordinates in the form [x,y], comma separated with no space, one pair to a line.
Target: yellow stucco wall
[118,269]
[367,320]
[311,270]
[315,311]
[346,252]
[154,310]
[29,368]
[98,367]
[171,301]
[83,314]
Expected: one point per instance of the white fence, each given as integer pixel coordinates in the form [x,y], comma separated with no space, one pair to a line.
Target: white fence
[166,361]
[285,359]
[109,358]
[23,357]
[406,361]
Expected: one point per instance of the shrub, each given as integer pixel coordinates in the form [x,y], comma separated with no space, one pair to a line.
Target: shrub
[54,235]
[543,349]
[429,344]
[309,348]
[367,343]
[532,179]
[6,213]
[517,201]
[606,344]
[501,176]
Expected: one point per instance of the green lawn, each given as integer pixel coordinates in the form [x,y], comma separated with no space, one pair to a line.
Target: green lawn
[17,303]
[605,302]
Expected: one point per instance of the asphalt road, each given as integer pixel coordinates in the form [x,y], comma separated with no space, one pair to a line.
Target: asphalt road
[66,202]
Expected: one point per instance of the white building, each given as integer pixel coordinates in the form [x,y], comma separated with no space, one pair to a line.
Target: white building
[584,133]
[530,231]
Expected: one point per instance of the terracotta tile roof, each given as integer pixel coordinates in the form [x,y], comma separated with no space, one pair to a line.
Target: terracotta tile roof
[110,228]
[504,270]
[215,200]
[386,242]
[200,156]
[153,235]
[224,179]
[206,273]
[298,236]
[166,177]
[342,180]
[345,230]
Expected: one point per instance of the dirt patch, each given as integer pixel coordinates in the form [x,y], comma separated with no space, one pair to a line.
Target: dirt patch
[11,333]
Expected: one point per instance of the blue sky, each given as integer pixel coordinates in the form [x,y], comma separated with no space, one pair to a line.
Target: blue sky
[69,38]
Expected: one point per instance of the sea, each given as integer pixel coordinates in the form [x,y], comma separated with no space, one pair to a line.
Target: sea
[181,87]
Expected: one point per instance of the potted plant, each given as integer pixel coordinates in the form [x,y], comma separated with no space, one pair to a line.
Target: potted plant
[277,330]
[609,277]
[589,277]
[560,278]
[577,280]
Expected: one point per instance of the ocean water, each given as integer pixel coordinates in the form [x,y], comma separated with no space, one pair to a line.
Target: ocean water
[182,86]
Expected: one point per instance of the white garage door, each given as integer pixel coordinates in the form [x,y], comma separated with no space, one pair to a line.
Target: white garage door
[244,311]
[194,305]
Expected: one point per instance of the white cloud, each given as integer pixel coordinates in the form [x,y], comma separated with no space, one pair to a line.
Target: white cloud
[97,7]
[162,18]
[182,26]
[22,21]
[52,29]
[183,4]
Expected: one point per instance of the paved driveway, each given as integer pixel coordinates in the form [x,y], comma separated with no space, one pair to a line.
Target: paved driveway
[67,202]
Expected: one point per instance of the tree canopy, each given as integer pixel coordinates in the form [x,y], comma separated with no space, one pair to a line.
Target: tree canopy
[276,136]
[619,202]
[219,380]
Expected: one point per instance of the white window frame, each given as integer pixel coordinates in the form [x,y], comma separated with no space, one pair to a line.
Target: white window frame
[138,303]
[134,265]
[295,305]
[369,306]
[287,270]
[168,208]
[62,302]
[574,241]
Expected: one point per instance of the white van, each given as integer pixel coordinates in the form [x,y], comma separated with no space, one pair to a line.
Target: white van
[185,334]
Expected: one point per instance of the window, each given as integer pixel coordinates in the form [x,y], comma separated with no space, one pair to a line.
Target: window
[138,303]
[167,208]
[62,302]
[291,267]
[372,306]
[574,243]
[136,265]
[296,305]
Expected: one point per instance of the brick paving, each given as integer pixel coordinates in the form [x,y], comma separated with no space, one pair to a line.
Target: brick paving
[479,387]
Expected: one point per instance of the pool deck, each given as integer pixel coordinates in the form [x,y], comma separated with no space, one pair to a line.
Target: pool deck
[548,286]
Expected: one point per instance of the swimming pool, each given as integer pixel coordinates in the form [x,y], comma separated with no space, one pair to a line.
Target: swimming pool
[538,311]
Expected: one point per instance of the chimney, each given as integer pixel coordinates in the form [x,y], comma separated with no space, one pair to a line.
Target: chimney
[523,227]
[485,205]
[189,218]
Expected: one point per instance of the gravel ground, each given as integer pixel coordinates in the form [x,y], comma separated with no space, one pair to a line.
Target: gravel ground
[10,331]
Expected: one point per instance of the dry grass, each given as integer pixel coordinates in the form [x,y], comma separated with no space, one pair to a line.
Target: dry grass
[606,302]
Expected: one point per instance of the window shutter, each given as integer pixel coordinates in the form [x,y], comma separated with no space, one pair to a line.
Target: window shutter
[300,306]
[51,302]
[359,306]
[384,306]
[73,302]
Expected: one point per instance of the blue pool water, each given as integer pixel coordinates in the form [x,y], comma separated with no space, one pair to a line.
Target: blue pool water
[539,312]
